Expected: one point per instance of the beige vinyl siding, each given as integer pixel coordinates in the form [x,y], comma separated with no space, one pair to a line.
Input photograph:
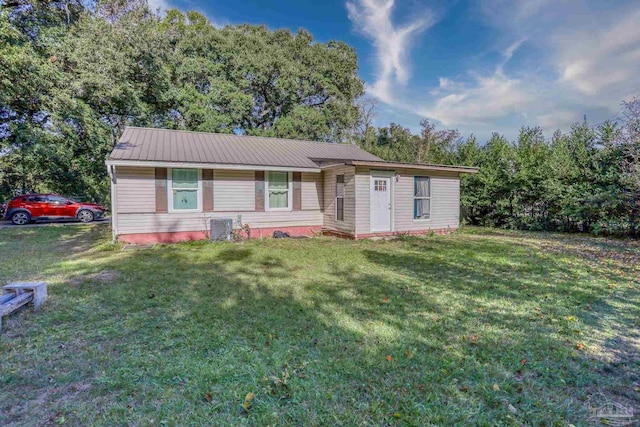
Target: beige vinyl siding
[330,222]
[234,190]
[311,191]
[135,189]
[195,221]
[362,190]
[445,201]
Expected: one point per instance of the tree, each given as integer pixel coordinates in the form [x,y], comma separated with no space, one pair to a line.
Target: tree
[435,146]
[628,141]
[73,74]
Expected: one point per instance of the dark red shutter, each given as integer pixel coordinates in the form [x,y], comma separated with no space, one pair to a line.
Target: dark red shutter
[259,191]
[297,191]
[161,190]
[207,190]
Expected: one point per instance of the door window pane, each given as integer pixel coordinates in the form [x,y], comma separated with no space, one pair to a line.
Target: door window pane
[380,185]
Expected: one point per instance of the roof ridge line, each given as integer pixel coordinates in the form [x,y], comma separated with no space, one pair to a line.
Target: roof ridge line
[248,136]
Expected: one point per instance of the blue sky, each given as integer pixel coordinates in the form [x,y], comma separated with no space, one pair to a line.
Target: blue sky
[478,66]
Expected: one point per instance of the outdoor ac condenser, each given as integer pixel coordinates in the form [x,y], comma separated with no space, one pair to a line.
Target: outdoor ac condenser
[221,229]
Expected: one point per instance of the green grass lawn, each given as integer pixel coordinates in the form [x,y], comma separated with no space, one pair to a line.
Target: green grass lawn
[477,328]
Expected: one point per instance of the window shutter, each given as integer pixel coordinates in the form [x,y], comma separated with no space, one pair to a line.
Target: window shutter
[259,191]
[297,191]
[161,190]
[207,190]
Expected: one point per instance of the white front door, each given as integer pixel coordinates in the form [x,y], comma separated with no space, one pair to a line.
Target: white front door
[380,204]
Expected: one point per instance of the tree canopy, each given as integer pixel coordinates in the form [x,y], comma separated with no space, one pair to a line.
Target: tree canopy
[74,74]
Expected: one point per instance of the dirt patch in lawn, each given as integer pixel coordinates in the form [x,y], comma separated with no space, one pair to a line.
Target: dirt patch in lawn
[44,408]
[622,252]
[106,276]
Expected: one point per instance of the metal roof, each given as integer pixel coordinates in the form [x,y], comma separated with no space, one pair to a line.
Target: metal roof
[424,166]
[164,145]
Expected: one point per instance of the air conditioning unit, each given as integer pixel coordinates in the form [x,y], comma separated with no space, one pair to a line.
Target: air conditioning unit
[221,229]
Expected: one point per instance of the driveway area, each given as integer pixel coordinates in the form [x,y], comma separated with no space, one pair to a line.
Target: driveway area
[8,224]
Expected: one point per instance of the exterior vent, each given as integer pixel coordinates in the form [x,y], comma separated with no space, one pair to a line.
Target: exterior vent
[221,229]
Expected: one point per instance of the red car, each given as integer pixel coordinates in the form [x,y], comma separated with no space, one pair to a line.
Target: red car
[24,209]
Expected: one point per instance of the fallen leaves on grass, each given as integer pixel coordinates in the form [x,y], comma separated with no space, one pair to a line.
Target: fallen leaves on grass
[512,408]
[473,339]
[496,387]
[279,385]
[389,358]
[246,405]
[519,375]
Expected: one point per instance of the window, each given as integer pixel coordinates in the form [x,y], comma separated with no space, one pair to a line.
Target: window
[340,197]
[380,185]
[57,200]
[279,189]
[184,190]
[421,197]
[34,199]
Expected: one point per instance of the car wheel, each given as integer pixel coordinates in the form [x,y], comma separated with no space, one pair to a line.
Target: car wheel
[85,216]
[21,218]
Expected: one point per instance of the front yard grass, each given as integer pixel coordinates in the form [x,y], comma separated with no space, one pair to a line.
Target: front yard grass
[477,328]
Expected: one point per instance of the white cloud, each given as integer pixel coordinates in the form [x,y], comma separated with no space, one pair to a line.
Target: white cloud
[489,98]
[573,57]
[373,19]
[558,118]
[160,5]
[163,6]
[508,52]
[599,59]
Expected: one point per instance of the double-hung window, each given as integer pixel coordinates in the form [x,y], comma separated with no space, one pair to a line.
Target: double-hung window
[279,191]
[184,190]
[340,197]
[421,197]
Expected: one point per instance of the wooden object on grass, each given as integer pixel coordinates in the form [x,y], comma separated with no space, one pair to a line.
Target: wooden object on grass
[15,295]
